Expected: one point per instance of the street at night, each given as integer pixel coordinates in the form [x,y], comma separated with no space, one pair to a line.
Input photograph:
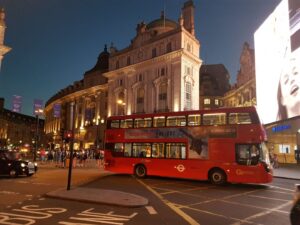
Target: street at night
[178,112]
[171,201]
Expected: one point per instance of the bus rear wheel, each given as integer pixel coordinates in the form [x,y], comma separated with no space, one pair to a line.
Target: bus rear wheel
[217,176]
[140,171]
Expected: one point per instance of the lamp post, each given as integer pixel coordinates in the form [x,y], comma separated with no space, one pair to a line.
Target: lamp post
[37,113]
[97,132]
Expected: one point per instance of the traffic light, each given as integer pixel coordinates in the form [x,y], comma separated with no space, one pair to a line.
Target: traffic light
[68,136]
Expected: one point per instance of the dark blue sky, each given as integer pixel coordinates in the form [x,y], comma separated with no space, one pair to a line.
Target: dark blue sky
[55,41]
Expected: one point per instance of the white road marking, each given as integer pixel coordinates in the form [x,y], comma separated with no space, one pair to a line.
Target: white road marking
[151,210]
[284,189]
[9,192]
[246,220]
[181,213]
[263,197]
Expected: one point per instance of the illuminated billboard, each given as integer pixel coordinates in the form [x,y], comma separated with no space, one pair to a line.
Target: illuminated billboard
[277,63]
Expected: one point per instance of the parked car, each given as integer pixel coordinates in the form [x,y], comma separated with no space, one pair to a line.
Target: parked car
[13,165]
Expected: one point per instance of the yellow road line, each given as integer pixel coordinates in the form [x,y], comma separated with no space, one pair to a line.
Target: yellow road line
[186,217]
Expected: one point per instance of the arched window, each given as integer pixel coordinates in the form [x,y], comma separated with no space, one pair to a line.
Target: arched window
[162,97]
[188,95]
[140,97]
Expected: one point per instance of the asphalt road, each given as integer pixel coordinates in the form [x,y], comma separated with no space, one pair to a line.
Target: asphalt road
[171,201]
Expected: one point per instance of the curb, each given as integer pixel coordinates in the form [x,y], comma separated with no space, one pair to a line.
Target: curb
[100,196]
[288,178]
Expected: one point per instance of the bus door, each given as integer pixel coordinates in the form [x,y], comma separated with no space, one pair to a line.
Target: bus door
[249,168]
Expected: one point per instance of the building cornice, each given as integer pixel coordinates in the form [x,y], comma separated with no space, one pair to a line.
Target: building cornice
[153,61]
[72,96]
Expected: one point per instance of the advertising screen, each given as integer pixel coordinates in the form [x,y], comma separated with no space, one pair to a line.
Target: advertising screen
[277,63]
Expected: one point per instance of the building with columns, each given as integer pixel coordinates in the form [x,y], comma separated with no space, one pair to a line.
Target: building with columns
[3,49]
[157,72]
[243,93]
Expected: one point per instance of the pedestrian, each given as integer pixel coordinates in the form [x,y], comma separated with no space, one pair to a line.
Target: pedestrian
[74,159]
[97,157]
[295,211]
[43,155]
[63,158]
[84,158]
[275,161]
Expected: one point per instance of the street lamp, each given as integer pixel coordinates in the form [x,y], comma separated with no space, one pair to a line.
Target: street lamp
[122,104]
[37,113]
[97,132]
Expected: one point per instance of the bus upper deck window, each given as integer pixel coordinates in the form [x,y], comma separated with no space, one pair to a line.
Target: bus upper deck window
[115,124]
[142,122]
[194,120]
[127,123]
[176,121]
[239,118]
[214,119]
[159,121]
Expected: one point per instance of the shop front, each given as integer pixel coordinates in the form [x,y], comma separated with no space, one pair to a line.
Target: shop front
[284,140]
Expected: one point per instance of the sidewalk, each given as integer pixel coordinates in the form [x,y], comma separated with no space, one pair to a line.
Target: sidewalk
[289,171]
[82,176]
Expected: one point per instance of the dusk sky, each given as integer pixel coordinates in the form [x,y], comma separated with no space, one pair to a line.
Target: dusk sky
[54,42]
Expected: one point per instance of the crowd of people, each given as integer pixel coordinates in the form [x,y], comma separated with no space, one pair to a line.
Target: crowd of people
[61,157]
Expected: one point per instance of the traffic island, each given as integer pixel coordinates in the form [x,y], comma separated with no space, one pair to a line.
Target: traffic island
[100,196]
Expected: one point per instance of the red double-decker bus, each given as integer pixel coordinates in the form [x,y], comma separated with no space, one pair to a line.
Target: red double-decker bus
[220,145]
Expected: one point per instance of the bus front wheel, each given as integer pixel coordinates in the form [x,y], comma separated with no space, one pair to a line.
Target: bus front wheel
[217,176]
[140,171]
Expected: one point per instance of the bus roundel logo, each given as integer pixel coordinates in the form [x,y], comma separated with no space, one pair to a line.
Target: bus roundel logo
[180,168]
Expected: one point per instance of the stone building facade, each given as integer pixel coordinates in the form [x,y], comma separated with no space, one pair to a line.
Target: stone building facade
[19,131]
[243,93]
[157,72]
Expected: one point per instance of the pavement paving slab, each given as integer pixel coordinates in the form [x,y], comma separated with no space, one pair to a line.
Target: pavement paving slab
[100,196]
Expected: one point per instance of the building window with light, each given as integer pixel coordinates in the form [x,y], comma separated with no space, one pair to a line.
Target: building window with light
[117,64]
[188,95]
[206,101]
[162,97]
[140,100]
[216,101]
